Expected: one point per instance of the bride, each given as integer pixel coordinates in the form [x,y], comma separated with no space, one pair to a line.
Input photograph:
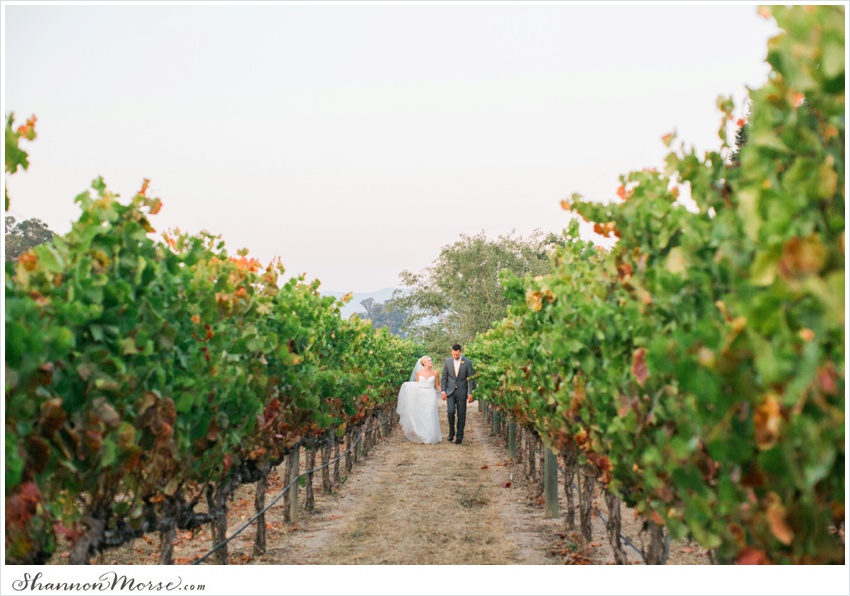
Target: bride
[417,404]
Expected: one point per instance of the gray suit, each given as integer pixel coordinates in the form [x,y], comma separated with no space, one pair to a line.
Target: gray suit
[457,388]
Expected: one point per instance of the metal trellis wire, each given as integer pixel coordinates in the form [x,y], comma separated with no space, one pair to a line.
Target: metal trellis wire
[282,492]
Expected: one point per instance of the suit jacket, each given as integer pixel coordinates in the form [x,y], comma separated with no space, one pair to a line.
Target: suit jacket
[461,383]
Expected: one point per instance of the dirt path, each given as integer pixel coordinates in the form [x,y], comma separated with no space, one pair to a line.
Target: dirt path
[427,505]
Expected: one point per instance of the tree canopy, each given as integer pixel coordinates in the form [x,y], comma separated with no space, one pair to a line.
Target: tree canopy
[460,294]
[381,316]
[20,237]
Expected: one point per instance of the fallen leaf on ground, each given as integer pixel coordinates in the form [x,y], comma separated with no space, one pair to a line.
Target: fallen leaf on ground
[687,549]
[484,467]
[506,485]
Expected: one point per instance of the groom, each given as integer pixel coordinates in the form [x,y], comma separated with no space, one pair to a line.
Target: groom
[457,390]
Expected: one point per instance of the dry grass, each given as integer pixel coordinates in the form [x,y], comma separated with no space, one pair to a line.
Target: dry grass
[419,504]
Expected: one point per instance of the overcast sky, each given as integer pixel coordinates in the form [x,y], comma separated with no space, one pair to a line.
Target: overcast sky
[355,141]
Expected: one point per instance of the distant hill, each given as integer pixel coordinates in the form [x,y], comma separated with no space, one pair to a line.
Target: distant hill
[355,306]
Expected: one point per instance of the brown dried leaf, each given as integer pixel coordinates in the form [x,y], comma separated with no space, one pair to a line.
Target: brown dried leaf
[639,368]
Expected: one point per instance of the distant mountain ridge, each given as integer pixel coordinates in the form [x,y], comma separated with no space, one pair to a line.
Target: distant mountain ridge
[354,305]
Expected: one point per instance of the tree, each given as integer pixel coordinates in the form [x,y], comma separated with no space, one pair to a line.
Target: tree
[381,316]
[460,295]
[20,237]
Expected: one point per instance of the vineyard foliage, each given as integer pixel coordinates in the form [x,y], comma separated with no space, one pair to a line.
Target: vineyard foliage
[140,371]
[698,366]
[16,157]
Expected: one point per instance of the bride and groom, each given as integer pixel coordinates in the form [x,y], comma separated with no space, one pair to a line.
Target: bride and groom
[418,398]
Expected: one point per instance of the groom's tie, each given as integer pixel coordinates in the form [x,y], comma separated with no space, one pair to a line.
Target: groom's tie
[457,367]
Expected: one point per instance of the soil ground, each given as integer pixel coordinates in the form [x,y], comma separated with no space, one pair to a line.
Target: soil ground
[408,503]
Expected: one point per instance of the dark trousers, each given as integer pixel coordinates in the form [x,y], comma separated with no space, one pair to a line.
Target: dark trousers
[456,403]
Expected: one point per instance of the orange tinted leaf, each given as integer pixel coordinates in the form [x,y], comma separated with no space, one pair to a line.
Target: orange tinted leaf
[534,300]
[28,260]
[766,419]
[776,519]
[752,556]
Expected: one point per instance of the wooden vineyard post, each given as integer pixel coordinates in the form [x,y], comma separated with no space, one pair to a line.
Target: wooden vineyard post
[570,456]
[364,442]
[327,486]
[293,491]
[495,422]
[309,501]
[358,446]
[287,496]
[519,452]
[217,504]
[368,435]
[167,532]
[613,526]
[259,505]
[532,456]
[369,439]
[541,465]
[550,483]
[587,480]
[336,458]
[349,457]
[512,438]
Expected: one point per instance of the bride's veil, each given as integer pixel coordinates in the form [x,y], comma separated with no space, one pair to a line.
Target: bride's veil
[416,369]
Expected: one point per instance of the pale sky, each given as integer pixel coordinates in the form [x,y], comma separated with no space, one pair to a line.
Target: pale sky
[354,141]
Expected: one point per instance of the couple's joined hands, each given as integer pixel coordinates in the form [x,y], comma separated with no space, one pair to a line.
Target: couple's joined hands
[469,399]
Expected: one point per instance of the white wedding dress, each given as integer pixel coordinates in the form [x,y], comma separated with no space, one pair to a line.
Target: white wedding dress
[417,410]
